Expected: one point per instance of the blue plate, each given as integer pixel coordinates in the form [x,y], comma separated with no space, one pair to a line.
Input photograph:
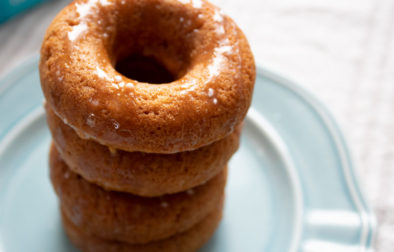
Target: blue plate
[291,185]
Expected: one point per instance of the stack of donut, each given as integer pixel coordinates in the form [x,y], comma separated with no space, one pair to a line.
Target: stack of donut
[141,166]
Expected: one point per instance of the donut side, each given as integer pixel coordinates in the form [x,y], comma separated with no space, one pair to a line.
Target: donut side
[139,173]
[188,241]
[126,217]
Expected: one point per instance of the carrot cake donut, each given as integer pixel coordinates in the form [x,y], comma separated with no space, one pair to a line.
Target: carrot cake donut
[128,218]
[144,174]
[204,51]
[187,241]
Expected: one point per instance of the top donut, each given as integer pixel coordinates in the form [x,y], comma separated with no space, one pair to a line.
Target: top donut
[205,52]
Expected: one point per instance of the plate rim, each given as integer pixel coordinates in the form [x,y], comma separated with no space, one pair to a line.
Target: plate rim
[268,131]
[367,216]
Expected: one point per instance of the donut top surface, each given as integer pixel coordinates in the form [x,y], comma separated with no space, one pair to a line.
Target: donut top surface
[203,50]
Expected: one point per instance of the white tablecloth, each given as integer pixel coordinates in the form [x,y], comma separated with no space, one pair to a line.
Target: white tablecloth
[341,51]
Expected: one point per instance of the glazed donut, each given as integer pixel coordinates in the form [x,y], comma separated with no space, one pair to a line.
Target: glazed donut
[188,241]
[128,218]
[206,53]
[139,173]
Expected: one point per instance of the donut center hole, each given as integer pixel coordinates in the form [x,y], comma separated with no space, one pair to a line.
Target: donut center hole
[155,41]
[144,69]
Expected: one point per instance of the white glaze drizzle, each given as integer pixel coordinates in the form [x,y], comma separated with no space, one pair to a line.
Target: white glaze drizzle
[115,124]
[195,3]
[91,120]
[59,75]
[116,82]
[218,16]
[223,48]
[188,87]
[214,67]
[219,60]
[210,92]
[104,2]
[76,31]
[94,102]
[100,73]
[84,10]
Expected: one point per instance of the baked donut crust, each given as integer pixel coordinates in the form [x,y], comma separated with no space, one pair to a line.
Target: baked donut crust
[188,241]
[204,49]
[126,217]
[139,173]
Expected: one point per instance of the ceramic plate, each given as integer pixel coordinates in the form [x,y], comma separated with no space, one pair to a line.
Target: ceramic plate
[291,185]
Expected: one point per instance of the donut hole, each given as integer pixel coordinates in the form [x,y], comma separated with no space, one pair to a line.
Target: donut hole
[154,43]
[144,69]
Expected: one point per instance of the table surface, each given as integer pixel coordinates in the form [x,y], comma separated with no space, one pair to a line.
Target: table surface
[341,51]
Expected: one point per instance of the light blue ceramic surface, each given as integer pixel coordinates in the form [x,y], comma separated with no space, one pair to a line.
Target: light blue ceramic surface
[292,186]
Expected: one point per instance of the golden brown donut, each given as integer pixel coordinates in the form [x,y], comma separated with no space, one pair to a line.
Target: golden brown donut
[140,173]
[204,50]
[126,217]
[188,241]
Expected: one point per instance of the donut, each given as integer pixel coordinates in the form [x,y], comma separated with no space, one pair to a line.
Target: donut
[204,51]
[128,218]
[188,241]
[143,174]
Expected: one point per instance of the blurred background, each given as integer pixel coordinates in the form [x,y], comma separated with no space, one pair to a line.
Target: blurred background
[340,51]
